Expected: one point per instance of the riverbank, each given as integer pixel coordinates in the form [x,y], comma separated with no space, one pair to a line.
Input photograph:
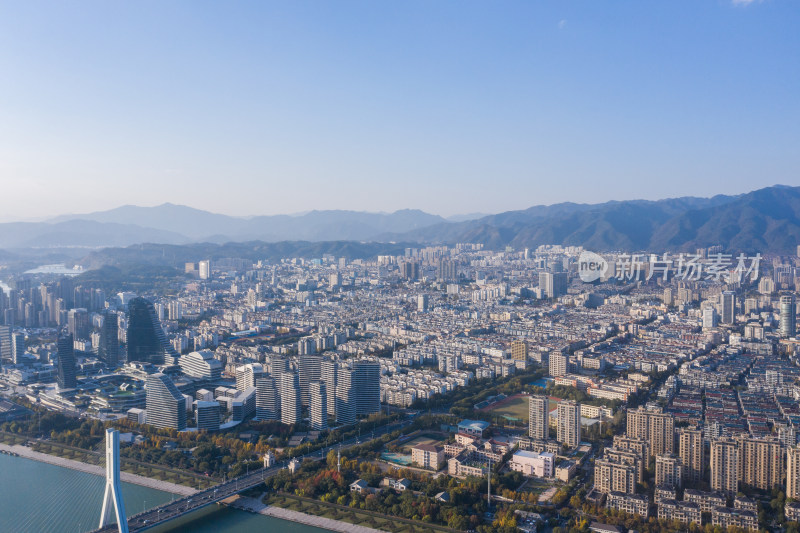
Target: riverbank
[24,451]
[253,505]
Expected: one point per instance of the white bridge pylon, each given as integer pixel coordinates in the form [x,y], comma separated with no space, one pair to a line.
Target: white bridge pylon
[113,496]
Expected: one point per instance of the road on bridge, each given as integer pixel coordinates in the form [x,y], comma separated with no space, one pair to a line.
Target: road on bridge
[188,504]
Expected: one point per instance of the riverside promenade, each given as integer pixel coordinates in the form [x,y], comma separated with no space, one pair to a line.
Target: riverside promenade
[24,451]
[255,506]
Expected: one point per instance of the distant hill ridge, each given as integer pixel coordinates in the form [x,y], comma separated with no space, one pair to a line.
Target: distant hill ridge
[765,220]
[201,226]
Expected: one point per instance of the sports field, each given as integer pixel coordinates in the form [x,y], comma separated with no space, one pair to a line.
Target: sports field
[515,408]
[425,438]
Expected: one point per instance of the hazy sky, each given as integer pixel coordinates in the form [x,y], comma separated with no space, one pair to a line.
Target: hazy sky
[451,107]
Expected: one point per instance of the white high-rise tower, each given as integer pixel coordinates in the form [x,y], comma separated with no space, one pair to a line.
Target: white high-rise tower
[113,496]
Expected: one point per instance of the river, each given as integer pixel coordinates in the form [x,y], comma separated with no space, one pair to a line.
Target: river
[39,497]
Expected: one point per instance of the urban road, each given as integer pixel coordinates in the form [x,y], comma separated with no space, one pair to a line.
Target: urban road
[217,493]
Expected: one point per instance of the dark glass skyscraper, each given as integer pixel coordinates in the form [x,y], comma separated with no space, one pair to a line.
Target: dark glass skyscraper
[146,340]
[66,363]
[108,350]
[367,386]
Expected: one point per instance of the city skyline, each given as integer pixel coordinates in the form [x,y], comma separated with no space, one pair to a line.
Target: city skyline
[401,266]
[368,107]
[369,359]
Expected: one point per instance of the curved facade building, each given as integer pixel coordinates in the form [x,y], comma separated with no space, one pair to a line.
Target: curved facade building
[147,342]
[166,406]
[201,365]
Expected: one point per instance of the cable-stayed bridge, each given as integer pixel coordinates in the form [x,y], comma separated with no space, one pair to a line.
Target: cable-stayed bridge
[217,493]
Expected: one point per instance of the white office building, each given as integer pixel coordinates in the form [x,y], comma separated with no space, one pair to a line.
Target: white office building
[268,403]
[166,406]
[291,407]
[318,405]
[201,365]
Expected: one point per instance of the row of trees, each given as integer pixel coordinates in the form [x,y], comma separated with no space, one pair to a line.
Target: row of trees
[322,481]
[215,454]
[466,506]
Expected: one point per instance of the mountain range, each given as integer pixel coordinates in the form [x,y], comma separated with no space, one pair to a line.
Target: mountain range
[765,220]
[178,224]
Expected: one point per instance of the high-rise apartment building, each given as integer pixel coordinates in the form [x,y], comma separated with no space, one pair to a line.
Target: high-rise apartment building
[627,457]
[447,270]
[668,297]
[17,348]
[558,364]
[538,411]
[709,317]
[309,368]
[318,405]
[654,426]
[345,396]
[762,462]
[553,284]
[291,407]
[66,363]
[788,318]
[278,365]
[267,399]
[422,303]
[611,475]
[78,323]
[329,373]
[724,466]
[787,435]
[409,270]
[519,351]
[569,423]
[640,446]
[166,406]
[766,285]
[691,450]
[669,471]
[6,350]
[174,310]
[246,375]
[204,269]
[793,472]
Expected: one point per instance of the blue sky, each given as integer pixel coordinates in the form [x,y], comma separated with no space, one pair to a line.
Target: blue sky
[451,107]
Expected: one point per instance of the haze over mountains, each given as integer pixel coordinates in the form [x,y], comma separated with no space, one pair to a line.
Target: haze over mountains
[764,220]
[202,226]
